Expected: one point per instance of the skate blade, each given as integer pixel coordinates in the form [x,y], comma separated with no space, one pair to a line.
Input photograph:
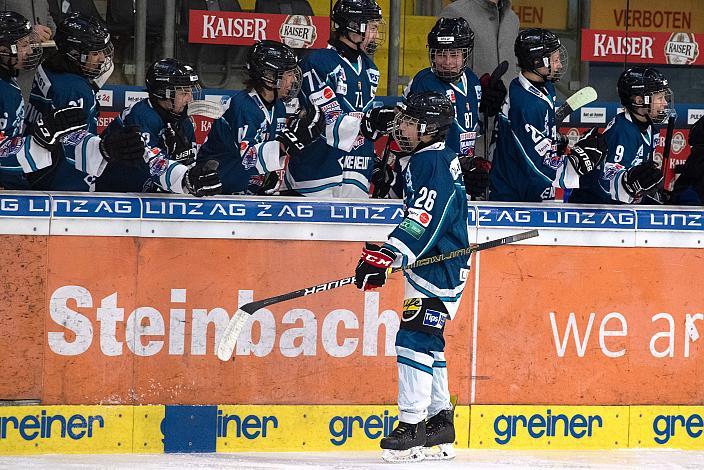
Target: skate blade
[439,452]
[414,454]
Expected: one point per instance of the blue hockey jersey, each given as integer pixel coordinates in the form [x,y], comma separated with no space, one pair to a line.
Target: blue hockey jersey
[526,166]
[341,163]
[79,159]
[465,94]
[627,147]
[18,155]
[435,222]
[242,140]
[157,170]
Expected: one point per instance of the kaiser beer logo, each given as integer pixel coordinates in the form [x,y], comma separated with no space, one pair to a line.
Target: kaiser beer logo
[681,49]
[678,142]
[298,31]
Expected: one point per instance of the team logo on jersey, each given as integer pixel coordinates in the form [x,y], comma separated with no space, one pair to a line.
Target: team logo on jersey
[434,319]
[298,31]
[11,147]
[553,160]
[158,165]
[420,216]
[331,111]
[411,308]
[611,170]
[249,158]
[74,137]
[451,95]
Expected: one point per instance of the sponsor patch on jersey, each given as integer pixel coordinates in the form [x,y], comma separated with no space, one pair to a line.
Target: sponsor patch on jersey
[455,168]
[420,216]
[543,147]
[611,170]
[478,91]
[243,146]
[321,97]
[411,308]
[249,158]
[158,165]
[412,228]
[341,88]
[74,137]
[331,111]
[373,77]
[553,160]
[11,146]
[467,142]
[434,319]
[451,95]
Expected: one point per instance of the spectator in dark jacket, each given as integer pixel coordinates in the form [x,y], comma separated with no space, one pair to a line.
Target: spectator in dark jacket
[689,186]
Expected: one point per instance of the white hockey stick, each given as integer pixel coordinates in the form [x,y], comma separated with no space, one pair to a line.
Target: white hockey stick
[227,343]
[206,108]
[581,98]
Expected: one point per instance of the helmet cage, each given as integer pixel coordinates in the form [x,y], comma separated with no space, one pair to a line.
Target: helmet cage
[93,69]
[646,108]
[10,53]
[547,62]
[276,82]
[400,129]
[449,75]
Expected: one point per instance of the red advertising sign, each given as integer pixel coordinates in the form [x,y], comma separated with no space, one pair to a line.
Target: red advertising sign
[244,29]
[642,47]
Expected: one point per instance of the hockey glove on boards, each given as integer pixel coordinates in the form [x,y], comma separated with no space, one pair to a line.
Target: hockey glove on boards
[493,91]
[588,152]
[377,122]
[177,147]
[475,173]
[373,267]
[49,130]
[203,179]
[302,130]
[642,179]
[123,144]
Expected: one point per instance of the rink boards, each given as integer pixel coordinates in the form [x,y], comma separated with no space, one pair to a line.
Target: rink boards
[120,300]
[265,428]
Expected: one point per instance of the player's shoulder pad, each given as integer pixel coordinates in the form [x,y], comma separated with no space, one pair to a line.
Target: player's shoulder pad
[323,61]
[142,114]
[426,80]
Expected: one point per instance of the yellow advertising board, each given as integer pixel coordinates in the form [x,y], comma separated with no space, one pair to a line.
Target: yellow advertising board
[550,14]
[648,15]
[676,427]
[548,427]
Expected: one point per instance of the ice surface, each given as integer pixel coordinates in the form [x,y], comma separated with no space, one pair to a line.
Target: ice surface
[661,459]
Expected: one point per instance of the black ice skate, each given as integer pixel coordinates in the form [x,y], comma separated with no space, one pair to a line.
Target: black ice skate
[404,443]
[440,435]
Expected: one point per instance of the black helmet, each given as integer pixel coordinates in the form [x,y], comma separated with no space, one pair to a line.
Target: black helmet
[166,77]
[78,35]
[431,111]
[644,82]
[533,48]
[450,34]
[18,49]
[268,61]
[355,16]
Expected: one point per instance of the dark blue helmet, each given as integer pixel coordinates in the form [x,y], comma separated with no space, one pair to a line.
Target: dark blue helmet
[86,41]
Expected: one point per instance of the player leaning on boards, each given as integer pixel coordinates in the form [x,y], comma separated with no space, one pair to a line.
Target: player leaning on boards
[20,155]
[435,222]
[342,80]
[253,138]
[72,77]
[450,46]
[162,121]
[628,172]
[528,164]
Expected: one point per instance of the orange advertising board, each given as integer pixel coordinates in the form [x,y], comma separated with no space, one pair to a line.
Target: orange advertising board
[126,320]
[648,15]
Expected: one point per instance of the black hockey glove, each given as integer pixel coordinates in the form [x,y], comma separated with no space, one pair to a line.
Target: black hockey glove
[123,144]
[493,91]
[302,130]
[176,146]
[562,143]
[373,267]
[377,122]
[382,178]
[475,173]
[203,179]
[642,179]
[588,152]
[48,130]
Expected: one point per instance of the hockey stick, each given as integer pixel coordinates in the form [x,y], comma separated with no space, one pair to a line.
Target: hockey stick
[229,338]
[206,108]
[668,145]
[580,98]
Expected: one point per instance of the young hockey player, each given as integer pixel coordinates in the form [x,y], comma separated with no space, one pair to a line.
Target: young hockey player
[342,80]
[628,172]
[162,121]
[450,45]
[252,139]
[435,222]
[19,155]
[527,165]
[72,77]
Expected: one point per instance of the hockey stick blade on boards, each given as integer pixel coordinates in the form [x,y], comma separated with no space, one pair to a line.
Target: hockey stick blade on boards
[228,341]
[581,98]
